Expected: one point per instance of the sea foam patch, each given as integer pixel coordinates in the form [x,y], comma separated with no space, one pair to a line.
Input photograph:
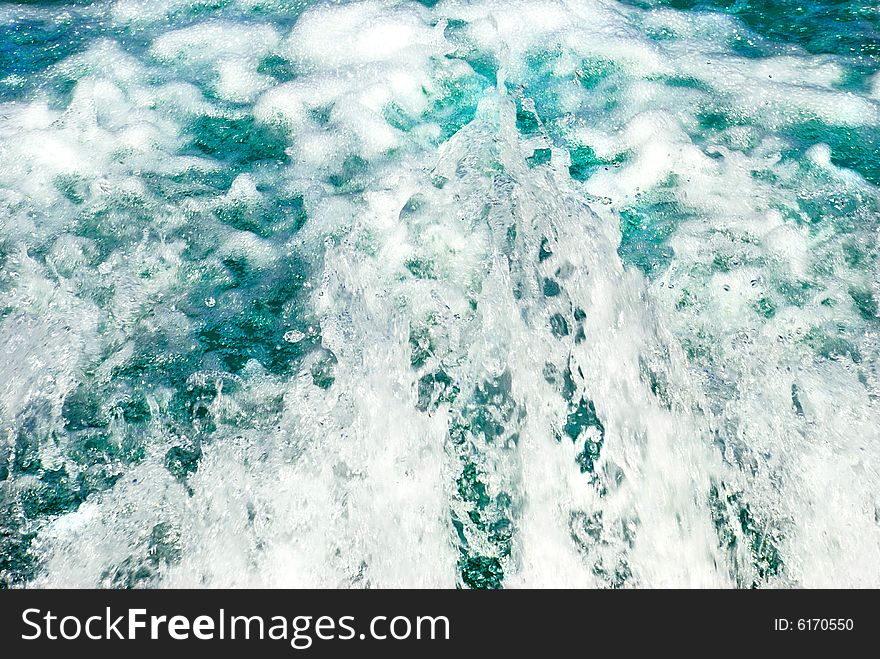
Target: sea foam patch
[484,294]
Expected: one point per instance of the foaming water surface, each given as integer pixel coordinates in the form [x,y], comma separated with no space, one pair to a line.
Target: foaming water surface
[438,294]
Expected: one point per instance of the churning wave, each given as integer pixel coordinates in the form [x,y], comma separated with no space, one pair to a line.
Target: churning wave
[438,294]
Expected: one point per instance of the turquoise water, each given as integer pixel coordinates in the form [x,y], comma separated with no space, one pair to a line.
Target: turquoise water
[448,294]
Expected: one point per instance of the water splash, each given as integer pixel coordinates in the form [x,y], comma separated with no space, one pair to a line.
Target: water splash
[469,294]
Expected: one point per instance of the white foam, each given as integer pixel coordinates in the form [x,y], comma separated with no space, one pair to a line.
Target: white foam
[354,485]
[232,51]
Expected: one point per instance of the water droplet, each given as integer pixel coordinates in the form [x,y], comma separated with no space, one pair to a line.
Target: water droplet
[210,302]
[294,336]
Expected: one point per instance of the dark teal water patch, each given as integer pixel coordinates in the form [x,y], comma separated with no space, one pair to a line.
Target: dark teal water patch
[484,521]
[281,69]
[581,417]
[29,47]
[31,492]
[481,572]
[17,561]
[853,147]
[593,72]
[765,307]
[865,303]
[644,229]
[253,311]
[397,117]
[323,369]
[140,570]
[584,162]
[590,531]
[527,122]
[839,27]
[352,176]
[796,293]
[550,288]
[87,409]
[490,413]
[239,141]
[56,493]
[487,516]
[455,104]
[193,183]
[115,224]
[484,64]
[559,326]
[539,157]
[715,117]
[686,82]
[736,522]
[183,461]
[833,343]
[103,429]
[435,389]
[542,84]
[279,217]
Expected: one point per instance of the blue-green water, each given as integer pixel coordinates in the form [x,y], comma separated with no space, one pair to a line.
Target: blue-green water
[480,294]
